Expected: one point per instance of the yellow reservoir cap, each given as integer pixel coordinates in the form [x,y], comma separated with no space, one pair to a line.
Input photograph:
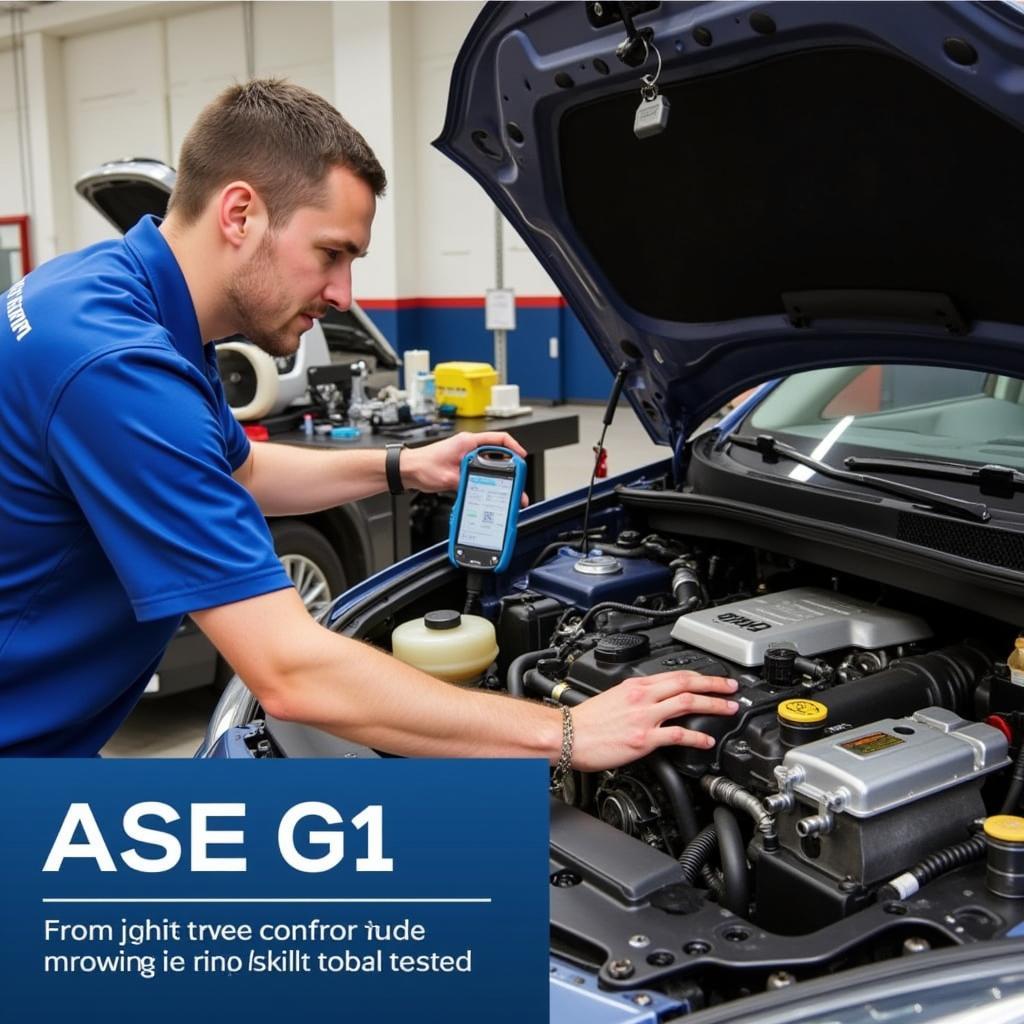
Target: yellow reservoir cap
[802,712]
[1007,827]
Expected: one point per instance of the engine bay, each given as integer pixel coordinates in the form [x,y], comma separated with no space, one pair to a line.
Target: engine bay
[864,803]
[839,817]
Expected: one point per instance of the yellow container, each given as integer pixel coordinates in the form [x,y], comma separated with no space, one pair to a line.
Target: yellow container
[467,386]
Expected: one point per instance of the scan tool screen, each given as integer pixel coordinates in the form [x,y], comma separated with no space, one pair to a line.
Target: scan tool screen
[485,511]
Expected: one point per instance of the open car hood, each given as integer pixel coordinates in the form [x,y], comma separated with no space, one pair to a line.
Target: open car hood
[125,190]
[837,183]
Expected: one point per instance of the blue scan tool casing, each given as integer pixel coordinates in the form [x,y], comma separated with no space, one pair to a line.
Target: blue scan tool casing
[472,460]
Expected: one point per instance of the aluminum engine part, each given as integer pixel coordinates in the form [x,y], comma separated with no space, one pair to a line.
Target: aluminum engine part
[867,803]
[887,764]
[809,620]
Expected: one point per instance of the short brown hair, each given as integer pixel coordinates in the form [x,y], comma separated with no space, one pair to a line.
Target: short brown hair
[277,136]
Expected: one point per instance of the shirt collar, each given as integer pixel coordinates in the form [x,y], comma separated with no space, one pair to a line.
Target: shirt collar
[170,292]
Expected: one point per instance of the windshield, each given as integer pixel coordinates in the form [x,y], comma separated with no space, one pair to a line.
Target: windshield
[917,412]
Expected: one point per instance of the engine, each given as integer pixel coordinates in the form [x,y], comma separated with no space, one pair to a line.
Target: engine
[857,755]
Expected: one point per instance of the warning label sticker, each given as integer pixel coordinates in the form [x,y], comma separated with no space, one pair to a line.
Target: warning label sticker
[872,743]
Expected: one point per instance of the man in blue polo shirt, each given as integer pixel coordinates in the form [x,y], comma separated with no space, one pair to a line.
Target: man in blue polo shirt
[130,497]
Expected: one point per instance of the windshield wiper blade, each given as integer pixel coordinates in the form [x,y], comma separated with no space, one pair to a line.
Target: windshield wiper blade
[771,450]
[996,481]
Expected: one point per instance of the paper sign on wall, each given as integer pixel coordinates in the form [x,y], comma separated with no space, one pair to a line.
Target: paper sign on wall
[500,310]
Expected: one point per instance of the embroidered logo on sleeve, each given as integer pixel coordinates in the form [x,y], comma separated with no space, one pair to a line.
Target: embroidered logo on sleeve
[20,325]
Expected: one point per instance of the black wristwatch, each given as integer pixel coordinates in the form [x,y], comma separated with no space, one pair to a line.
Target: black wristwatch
[392,469]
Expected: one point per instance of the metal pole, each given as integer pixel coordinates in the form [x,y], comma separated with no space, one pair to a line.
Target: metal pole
[500,336]
[249,35]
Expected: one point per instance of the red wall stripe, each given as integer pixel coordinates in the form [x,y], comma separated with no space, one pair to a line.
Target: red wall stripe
[461,302]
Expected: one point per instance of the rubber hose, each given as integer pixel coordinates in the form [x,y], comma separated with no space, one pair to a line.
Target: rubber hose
[659,552]
[1013,794]
[546,552]
[713,880]
[539,685]
[550,550]
[678,795]
[686,593]
[619,551]
[631,609]
[811,667]
[727,792]
[954,856]
[697,852]
[946,678]
[514,677]
[734,862]
[933,865]
[595,542]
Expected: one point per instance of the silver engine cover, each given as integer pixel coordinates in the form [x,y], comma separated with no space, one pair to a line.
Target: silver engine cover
[869,802]
[809,620]
[892,762]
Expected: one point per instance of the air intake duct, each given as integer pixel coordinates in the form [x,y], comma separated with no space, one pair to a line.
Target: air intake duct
[945,678]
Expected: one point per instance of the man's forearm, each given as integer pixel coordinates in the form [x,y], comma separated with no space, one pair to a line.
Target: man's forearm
[288,480]
[300,671]
[366,696]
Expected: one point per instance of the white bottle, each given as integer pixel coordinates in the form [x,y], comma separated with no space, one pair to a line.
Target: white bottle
[449,646]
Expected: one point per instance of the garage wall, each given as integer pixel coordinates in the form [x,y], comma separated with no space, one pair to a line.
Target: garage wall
[115,85]
[127,79]
[206,53]
[12,202]
[135,91]
[454,236]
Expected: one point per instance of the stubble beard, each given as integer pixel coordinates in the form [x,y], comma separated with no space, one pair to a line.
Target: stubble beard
[257,303]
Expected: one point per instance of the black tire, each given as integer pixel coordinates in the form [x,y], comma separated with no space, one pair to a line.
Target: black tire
[301,547]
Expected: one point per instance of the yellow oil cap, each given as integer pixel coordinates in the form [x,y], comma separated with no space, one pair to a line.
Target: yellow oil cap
[802,712]
[1007,827]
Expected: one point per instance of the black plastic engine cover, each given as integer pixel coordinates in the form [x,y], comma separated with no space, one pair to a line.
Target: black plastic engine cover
[593,673]
[599,669]
[525,624]
[795,899]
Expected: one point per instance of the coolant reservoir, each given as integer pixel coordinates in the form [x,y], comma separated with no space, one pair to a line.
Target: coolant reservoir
[449,646]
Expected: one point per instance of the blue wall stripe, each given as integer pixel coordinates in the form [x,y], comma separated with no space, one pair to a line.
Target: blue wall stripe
[457,333]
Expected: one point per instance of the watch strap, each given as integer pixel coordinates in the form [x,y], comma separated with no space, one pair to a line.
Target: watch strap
[392,469]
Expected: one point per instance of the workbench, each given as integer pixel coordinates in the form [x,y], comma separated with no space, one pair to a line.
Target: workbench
[536,431]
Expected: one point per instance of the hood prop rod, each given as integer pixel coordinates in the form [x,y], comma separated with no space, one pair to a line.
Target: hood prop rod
[609,415]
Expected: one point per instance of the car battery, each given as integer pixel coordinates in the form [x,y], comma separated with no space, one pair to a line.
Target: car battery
[467,386]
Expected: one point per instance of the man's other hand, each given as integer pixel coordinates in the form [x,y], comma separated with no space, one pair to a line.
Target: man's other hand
[435,467]
[626,722]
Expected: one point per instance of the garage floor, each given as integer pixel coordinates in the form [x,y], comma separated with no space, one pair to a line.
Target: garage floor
[173,726]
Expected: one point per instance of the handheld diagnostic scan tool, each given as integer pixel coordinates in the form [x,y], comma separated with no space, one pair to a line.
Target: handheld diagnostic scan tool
[483,522]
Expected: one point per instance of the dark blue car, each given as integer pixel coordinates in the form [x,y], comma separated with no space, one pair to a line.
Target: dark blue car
[822,201]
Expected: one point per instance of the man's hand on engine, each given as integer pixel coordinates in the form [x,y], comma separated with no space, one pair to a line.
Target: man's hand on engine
[435,467]
[624,723]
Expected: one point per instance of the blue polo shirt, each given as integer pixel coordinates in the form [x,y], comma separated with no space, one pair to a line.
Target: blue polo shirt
[118,510]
